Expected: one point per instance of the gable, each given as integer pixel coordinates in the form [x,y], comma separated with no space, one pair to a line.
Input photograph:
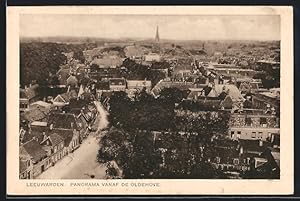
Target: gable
[59,99]
[46,142]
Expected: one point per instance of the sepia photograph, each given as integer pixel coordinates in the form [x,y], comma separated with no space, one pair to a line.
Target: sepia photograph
[117,96]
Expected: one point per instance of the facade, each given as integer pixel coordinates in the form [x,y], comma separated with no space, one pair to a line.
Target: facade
[253,126]
[40,159]
[139,84]
[25,164]
[117,84]
[54,145]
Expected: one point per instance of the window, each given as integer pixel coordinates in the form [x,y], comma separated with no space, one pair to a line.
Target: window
[232,134]
[239,134]
[248,121]
[61,145]
[263,120]
[253,135]
[55,149]
[260,134]
[248,161]
[236,161]
[218,159]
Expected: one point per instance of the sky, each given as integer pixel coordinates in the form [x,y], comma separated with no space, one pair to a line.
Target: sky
[177,27]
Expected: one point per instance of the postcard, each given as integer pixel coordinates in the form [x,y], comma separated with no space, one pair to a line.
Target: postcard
[173,100]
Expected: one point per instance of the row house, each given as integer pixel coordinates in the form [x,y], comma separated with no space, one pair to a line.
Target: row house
[253,126]
[39,157]
[25,164]
[66,126]
[46,145]
[224,155]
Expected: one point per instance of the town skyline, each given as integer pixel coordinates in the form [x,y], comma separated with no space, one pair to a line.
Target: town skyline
[258,28]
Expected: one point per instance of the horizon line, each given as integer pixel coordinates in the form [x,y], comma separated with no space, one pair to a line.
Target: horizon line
[137,38]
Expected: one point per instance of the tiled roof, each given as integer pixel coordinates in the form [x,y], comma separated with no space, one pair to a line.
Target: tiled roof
[35,150]
[37,133]
[62,120]
[231,90]
[35,114]
[69,95]
[23,153]
[65,134]
[55,139]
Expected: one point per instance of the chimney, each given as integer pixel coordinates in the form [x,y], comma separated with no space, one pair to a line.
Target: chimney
[30,85]
[51,127]
[241,150]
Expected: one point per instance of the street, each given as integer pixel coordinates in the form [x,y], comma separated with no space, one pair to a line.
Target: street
[82,163]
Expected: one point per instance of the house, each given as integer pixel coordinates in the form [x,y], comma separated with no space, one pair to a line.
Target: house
[66,125]
[36,114]
[63,99]
[258,126]
[28,95]
[71,139]
[263,163]
[117,84]
[267,100]
[40,158]
[224,156]
[248,85]
[54,145]
[139,84]
[25,164]
[36,131]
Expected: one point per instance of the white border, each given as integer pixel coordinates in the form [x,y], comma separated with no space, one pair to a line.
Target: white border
[174,187]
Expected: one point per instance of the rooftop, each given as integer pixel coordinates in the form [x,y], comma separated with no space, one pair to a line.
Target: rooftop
[35,150]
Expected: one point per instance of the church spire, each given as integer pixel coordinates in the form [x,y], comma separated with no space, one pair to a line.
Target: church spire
[157,35]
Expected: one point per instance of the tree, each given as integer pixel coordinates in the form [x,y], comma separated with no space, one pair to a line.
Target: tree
[171,95]
[38,60]
[78,55]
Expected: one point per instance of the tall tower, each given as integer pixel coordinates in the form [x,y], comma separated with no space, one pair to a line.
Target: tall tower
[157,35]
